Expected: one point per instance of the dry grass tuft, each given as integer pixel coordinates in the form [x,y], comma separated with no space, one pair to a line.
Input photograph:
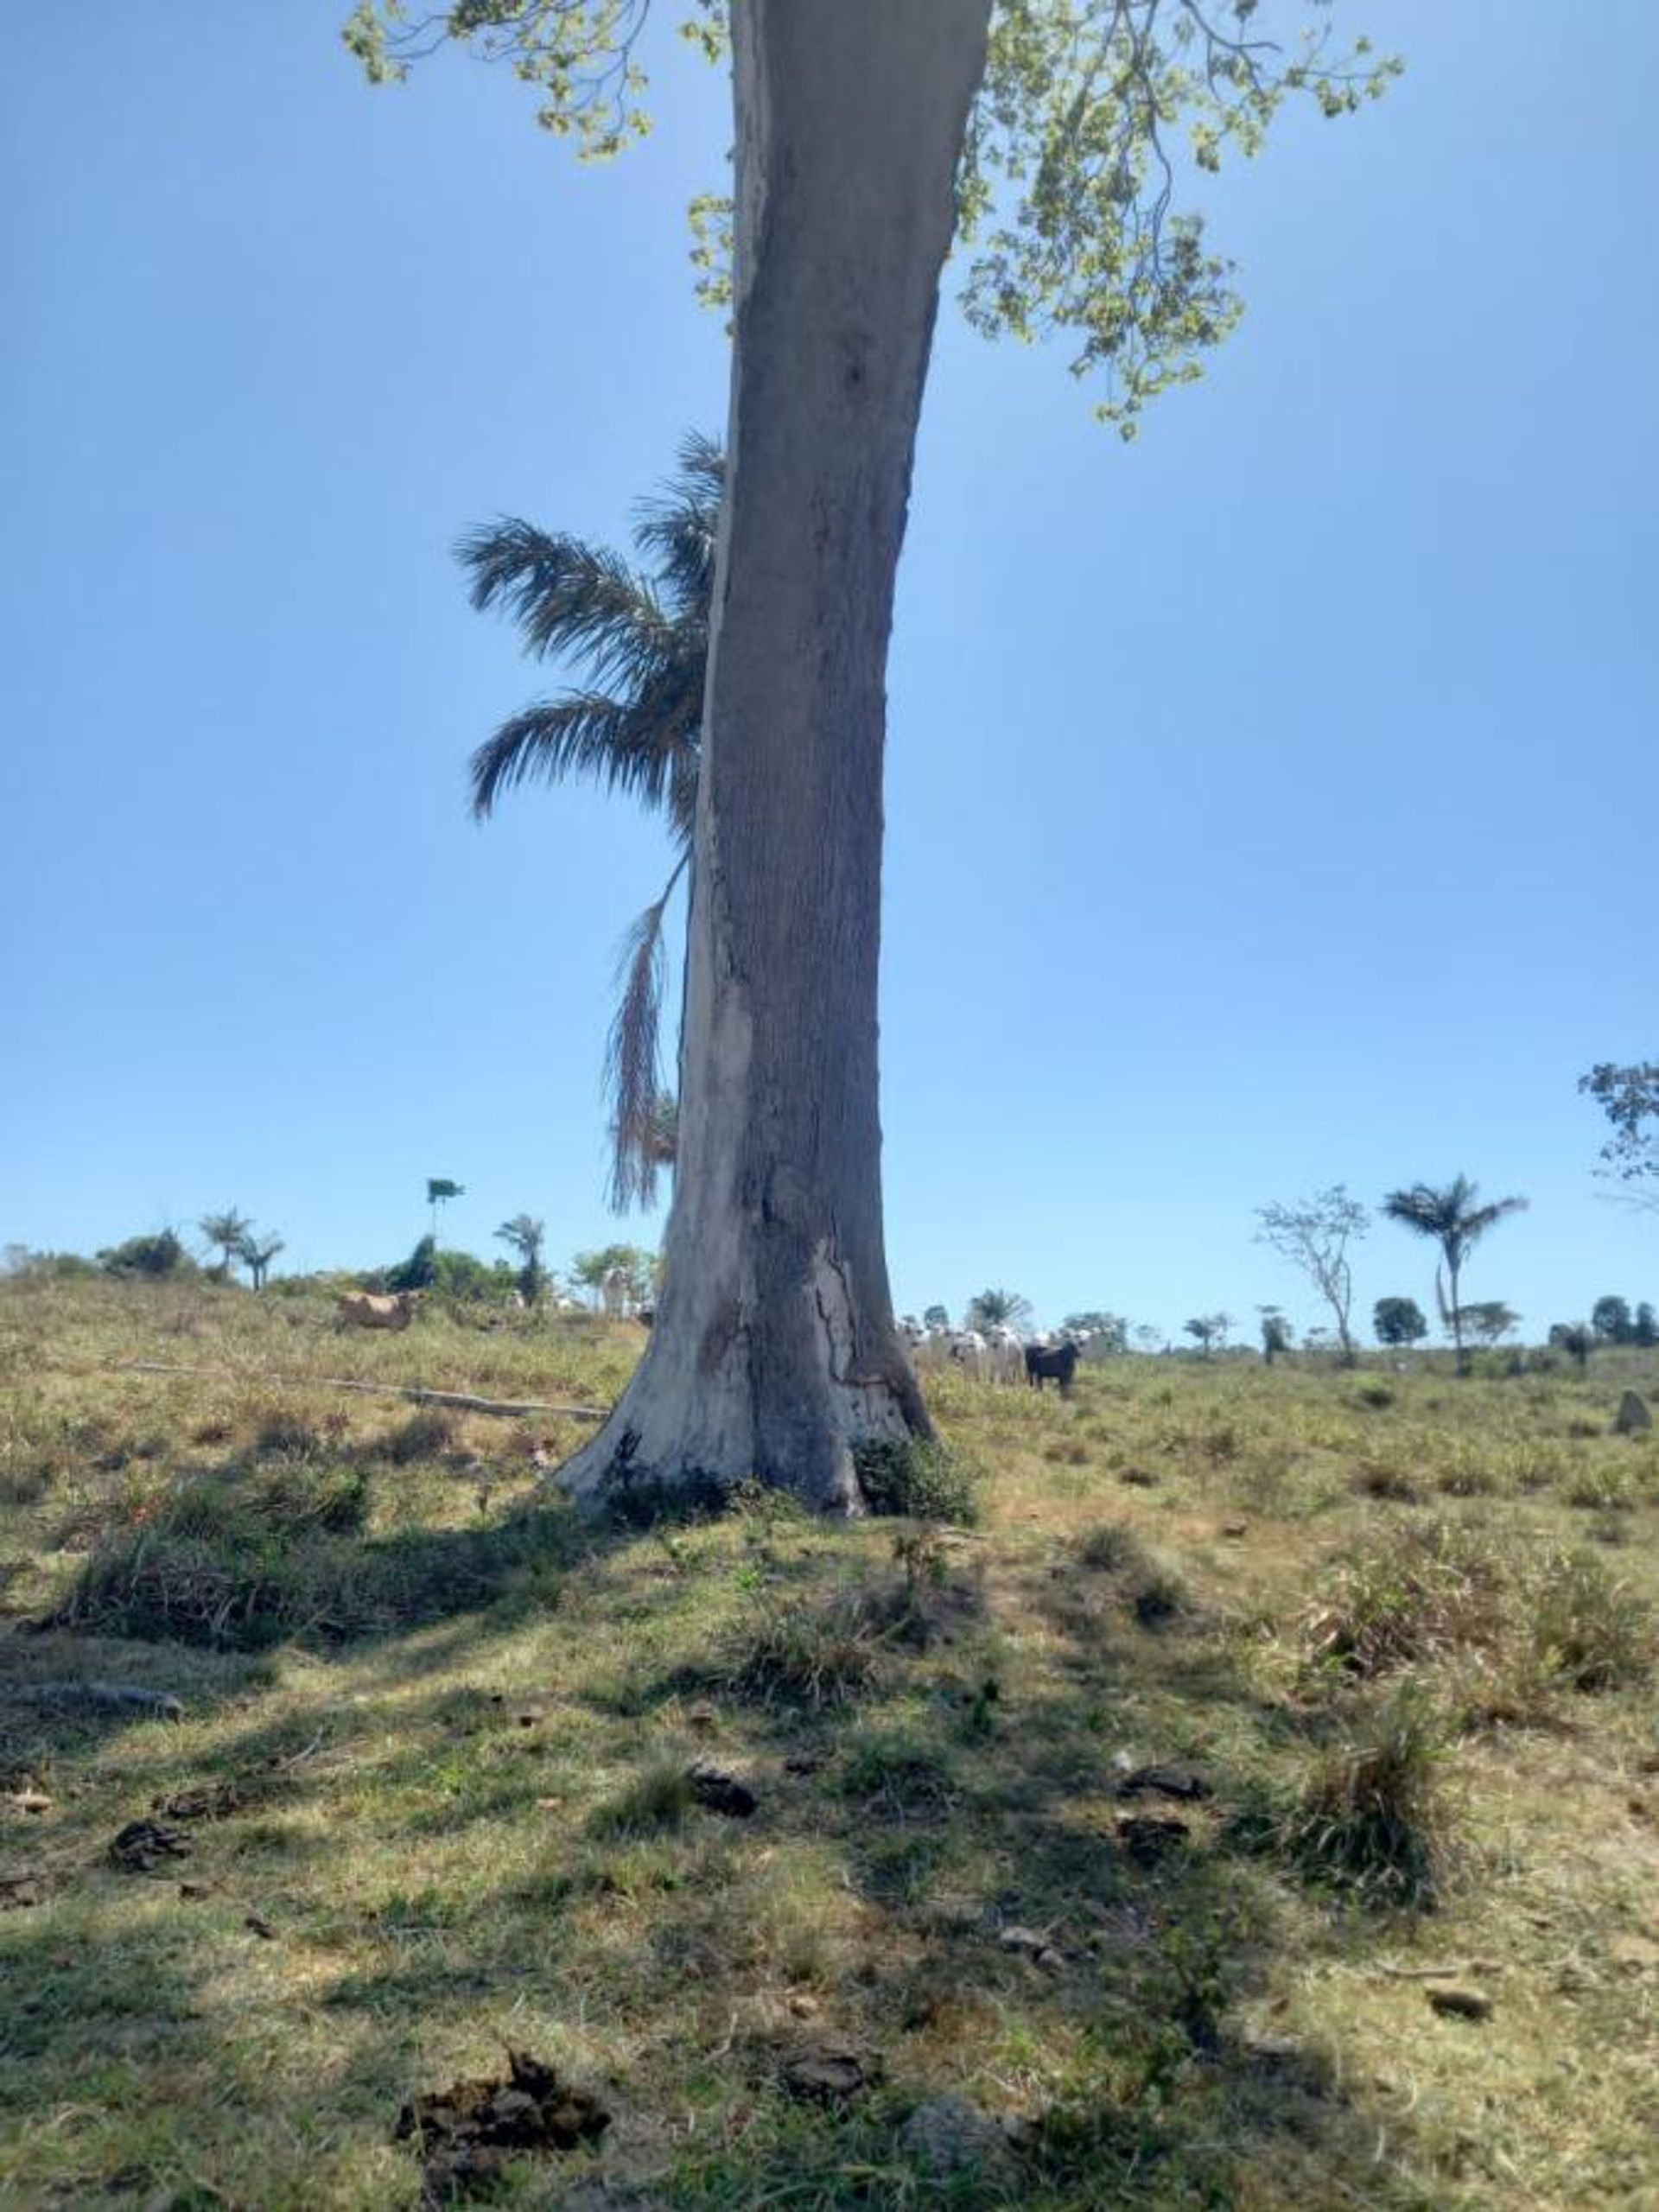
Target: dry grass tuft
[1435,1591]
[1372,1816]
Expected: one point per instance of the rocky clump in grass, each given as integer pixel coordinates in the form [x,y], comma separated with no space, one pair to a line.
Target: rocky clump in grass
[1633,1417]
[719,1792]
[1146,1584]
[947,2136]
[468,2133]
[826,2073]
[141,1845]
[1459,2004]
[1174,1780]
[1149,1841]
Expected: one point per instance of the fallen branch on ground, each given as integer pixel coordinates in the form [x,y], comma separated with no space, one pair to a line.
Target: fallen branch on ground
[96,1694]
[460,1400]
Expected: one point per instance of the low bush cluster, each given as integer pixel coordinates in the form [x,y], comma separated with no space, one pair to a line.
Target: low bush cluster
[244,1561]
[925,1480]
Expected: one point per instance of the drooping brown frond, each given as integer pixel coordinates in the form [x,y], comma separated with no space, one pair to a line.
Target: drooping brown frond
[632,1068]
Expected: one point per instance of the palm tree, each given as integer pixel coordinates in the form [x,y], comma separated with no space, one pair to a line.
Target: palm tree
[258,1257]
[527,1235]
[224,1232]
[1457,1224]
[994,1309]
[642,641]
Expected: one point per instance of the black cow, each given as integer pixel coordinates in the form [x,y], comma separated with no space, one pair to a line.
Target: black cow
[1050,1363]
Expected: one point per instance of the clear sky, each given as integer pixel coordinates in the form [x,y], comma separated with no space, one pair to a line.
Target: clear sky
[1270,804]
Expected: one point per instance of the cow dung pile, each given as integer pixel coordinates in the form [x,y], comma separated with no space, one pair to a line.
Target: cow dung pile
[467,2132]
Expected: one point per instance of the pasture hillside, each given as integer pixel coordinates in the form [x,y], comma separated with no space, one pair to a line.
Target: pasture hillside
[1254,1803]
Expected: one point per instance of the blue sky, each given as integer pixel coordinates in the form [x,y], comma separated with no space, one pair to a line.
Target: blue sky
[1270,804]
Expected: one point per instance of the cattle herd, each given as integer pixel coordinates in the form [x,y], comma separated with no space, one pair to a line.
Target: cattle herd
[995,1355]
[1001,1355]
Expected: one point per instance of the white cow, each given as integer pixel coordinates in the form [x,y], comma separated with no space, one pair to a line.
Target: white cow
[362,1309]
[933,1352]
[1005,1356]
[615,1293]
[970,1352]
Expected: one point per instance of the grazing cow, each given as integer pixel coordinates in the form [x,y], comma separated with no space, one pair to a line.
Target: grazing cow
[931,1352]
[1052,1363]
[971,1353]
[361,1309]
[1005,1356]
[613,1289]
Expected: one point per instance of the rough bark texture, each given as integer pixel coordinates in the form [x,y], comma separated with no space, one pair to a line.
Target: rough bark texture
[774,1354]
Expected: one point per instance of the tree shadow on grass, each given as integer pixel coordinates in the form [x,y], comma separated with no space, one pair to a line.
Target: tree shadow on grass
[931,1818]
[1021,1917]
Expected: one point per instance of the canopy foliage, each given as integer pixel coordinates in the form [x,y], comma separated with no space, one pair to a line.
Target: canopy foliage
[1093,118]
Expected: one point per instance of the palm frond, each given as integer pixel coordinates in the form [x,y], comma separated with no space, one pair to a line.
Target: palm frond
[1474,1225]
[678,527]
[624,745]
[632,1066]
[566,597]
[1429,1211]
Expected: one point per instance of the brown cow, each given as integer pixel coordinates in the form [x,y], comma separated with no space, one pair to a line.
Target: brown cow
[361,1309]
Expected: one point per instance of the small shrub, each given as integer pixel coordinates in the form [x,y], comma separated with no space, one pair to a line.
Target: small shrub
[658,1799]
[1589,1628]
[1159,1597]
[161,1255]
[1602,1489]
[286,1435]
[817,1656]
[1372,1816]
[1436,1590]
[1152,1589]
[896,1776]
[212,1567]
[912,1476]
[334,1499]
[1067,1451]
[1383,1479]
[423,1436]
[1466,1474]
[1112,1548]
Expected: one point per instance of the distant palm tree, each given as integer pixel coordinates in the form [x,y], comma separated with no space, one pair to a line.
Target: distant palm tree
[994,1309]
[258,1257]
[1456,1224]
[224,1232]
[643,640]
[527,1235]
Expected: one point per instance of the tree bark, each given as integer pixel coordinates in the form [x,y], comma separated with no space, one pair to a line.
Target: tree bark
[774,1355]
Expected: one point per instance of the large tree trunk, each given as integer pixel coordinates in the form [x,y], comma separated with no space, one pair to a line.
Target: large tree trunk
[774,1354]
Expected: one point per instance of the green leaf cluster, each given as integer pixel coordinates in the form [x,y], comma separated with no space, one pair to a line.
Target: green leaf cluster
[579,56]
[1093,115]
[1072,165]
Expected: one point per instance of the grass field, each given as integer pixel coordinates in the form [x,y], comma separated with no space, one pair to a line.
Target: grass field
[1385,1641]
